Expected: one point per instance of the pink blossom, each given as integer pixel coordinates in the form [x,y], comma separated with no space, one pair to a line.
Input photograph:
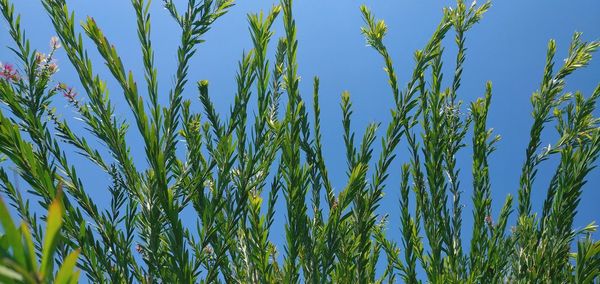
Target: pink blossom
[52,68]
[8,68]
[8,72]
[489,220]
[39,57]
[54,42]
[68,92]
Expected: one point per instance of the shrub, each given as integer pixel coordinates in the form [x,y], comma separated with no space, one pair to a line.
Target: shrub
[232,169]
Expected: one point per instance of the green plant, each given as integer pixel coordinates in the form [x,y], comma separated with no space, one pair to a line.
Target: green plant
[19,261]
[233,169]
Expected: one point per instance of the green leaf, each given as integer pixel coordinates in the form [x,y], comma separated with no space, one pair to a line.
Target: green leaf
[12,234]
[65,274]
[54,223]
[7,274]
[31,257]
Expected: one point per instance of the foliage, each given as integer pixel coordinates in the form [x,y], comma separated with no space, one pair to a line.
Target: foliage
[232,170]
[19,254]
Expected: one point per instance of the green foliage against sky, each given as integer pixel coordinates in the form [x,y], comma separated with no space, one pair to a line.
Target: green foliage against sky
[231,170]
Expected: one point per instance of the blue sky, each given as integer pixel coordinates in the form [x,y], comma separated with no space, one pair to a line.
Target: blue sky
[507,47]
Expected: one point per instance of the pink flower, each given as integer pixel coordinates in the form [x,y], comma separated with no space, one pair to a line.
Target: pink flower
[54,42]
[489,220]
[8,72]
[52,68]
[8,68]
[39,57]
[68,92]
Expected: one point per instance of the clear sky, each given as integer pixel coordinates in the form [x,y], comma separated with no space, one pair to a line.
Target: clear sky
[507,47]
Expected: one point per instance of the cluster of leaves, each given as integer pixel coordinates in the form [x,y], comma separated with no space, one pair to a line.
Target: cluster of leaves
[225,166]
[19,254]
